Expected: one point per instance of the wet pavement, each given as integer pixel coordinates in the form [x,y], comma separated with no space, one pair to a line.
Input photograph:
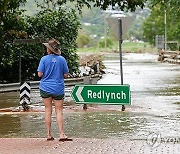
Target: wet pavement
[154,113]
[85,146]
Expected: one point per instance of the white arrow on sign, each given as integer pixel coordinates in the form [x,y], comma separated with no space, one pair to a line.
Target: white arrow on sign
[25,85]
[24,100]
[25,93]
[78,94]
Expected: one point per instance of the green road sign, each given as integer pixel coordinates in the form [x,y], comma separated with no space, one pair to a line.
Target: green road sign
[102,94]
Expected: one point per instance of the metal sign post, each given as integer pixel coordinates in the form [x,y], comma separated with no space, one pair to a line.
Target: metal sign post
[26,41]
[25,86]
[120,48]
[120,54]
[19,65]
[120,27]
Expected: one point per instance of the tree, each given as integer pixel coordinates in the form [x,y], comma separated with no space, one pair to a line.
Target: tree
[12,25]
[83,40]
[109,43]
[51,21]
[154,24]
[122,5]
[118,4]
[61,24]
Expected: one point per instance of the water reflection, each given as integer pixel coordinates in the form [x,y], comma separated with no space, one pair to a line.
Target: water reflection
[8,124]
[155,95]
[92,124]
[10,99]
[21,125]
[104,124]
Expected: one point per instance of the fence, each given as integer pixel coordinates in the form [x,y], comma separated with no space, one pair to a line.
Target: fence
[35,84]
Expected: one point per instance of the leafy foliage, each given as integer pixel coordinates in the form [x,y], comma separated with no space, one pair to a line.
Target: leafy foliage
[12,26]
[83,40]
[59,23]
[154,24]
[118,4]
[109,43]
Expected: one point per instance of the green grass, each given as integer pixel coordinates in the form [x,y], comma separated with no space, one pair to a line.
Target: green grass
[94,49]
[134,47]
[137,47]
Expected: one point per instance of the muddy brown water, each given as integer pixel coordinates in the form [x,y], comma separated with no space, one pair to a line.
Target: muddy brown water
[155,105]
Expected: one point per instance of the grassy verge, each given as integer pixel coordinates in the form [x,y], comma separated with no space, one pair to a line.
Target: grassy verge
[138,47]
[131,47]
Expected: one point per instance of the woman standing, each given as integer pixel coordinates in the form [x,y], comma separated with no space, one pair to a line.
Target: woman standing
[53,69]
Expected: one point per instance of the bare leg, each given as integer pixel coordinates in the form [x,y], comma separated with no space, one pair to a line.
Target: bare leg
[59,117]
[48,115]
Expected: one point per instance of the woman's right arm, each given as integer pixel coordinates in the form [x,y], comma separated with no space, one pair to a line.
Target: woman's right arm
[40,69]
[40,74]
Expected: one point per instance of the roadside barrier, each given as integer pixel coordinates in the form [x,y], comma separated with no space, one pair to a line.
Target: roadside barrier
[25,89]
[169,56]
[35,84]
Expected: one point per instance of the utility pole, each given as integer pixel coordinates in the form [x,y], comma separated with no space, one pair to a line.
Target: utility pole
[165,27]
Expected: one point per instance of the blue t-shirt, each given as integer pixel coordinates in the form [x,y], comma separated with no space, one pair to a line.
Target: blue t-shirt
[53,68]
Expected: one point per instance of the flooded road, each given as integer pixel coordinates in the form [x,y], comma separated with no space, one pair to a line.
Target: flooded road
[155,105]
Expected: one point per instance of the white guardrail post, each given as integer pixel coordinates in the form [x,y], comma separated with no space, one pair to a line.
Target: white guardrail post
[25,89]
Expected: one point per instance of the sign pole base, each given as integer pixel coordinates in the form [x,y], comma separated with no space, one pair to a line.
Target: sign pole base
[88,80]
[85,107]
[123,108]
[25,106]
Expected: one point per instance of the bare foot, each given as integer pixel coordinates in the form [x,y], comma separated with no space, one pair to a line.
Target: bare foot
[50,139]
[63,136]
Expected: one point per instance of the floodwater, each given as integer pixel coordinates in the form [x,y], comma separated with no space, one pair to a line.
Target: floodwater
[155,105]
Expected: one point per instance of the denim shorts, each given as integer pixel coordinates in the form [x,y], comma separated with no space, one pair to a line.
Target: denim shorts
[55,97]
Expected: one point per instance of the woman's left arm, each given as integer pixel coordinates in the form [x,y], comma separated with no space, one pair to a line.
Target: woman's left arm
[66,75]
